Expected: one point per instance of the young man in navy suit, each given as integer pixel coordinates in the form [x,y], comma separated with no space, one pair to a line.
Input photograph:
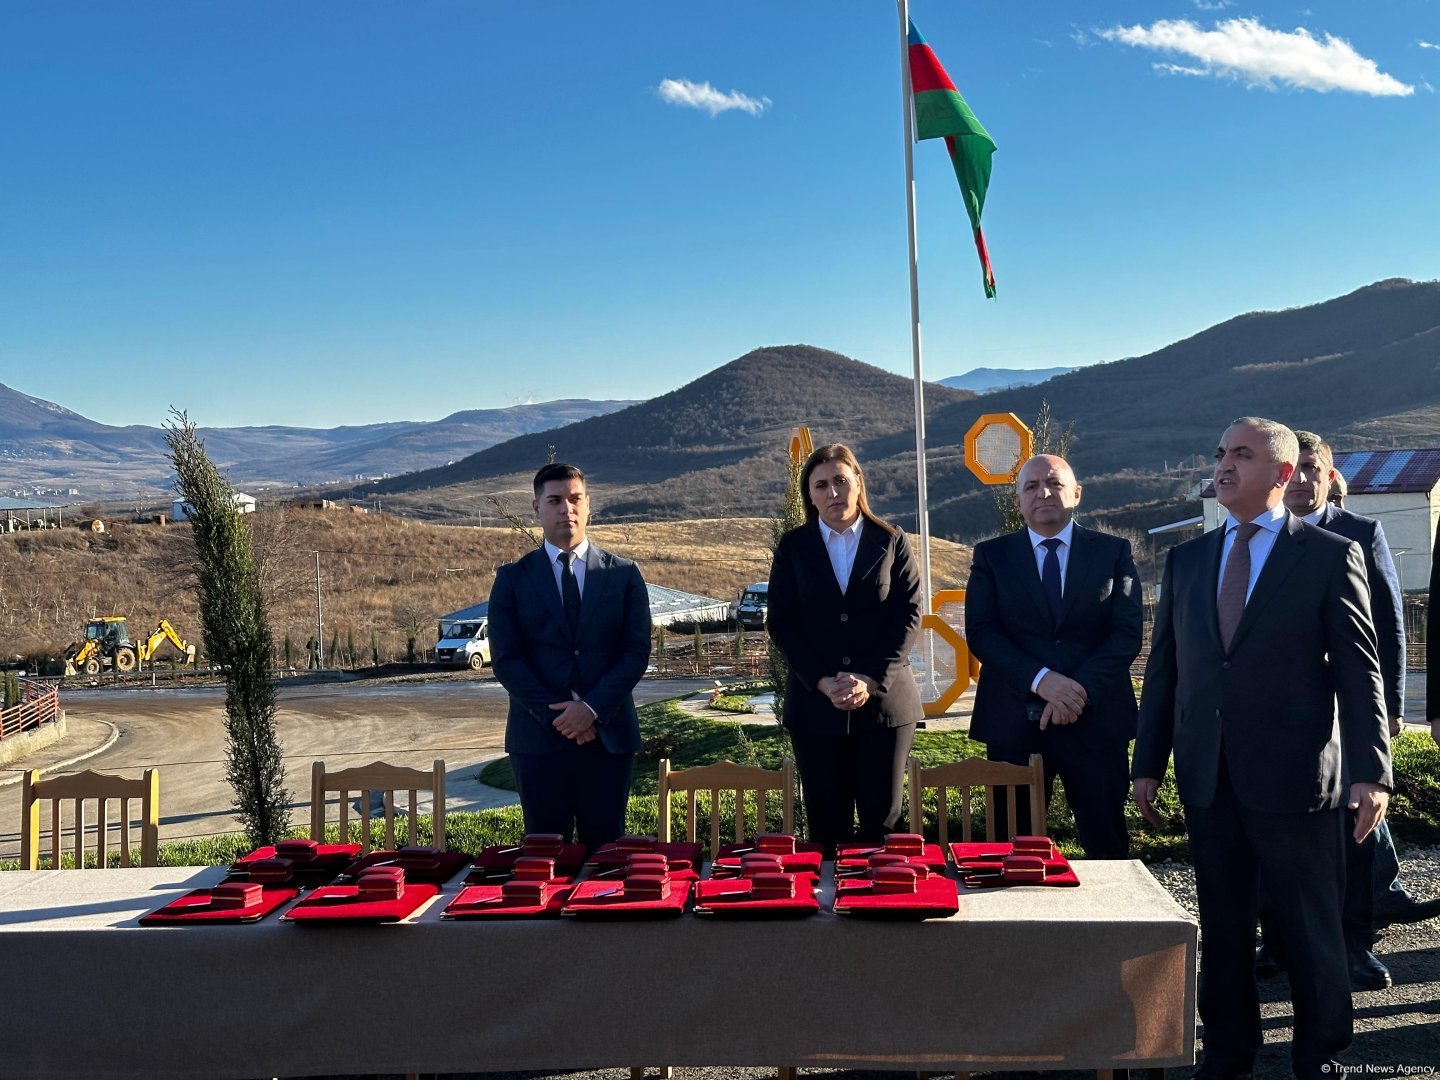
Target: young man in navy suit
[569,639]
[1055,632]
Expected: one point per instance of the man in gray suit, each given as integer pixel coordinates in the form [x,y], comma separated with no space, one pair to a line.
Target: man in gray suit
[1260,628]
[569,639]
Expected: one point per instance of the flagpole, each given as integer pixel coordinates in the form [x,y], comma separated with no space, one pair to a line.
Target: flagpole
[921,494]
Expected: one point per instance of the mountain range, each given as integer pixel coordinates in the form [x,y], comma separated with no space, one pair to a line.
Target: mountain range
[984,379]
[1363,369]
[46,446]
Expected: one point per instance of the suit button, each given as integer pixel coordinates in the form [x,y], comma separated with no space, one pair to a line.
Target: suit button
[844,660]
[844,617]
[577,652]
[1226,664]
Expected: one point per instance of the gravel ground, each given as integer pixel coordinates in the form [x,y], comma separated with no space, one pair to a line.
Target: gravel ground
[1397,1031]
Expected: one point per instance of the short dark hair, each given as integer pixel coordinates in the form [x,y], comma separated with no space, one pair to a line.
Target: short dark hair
[1314,444]
[556,470]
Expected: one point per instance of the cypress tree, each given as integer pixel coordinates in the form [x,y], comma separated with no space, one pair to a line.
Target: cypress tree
[236,628]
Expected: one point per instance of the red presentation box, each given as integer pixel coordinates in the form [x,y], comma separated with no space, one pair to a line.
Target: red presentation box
[335,905]
[495,902]
[232,902]
[758,897]
[422,866]
[984,866]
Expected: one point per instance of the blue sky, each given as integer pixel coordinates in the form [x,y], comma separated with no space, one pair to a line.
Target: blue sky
[338,213]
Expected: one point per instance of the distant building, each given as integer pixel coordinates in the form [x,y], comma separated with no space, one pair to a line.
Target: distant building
[180,510]
[1400,488]
[29,514]
[312,504]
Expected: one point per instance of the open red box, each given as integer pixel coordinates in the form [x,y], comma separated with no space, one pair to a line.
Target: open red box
[340,904]
[203,906]
[980,867]
[606,899]
[731,898]
[856,856]
[935,897]
[490,902]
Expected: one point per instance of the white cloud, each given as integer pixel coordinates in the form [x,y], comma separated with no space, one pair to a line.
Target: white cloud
[1213,5]
[1243,49]
[704,96]
[1427,45]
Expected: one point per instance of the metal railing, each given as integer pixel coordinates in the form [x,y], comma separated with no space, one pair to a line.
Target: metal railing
[39,705]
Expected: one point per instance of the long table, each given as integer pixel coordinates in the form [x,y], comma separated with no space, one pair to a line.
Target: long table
[1096,977]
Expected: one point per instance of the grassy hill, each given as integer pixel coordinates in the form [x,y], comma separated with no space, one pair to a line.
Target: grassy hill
[1362,369]
[381,575]
[714,447]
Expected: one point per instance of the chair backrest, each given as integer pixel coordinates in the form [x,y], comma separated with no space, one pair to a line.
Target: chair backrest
[726,776]
[368,779]
[976,772]
[83,787]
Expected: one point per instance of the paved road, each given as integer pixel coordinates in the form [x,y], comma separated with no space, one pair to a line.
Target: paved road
[343,723]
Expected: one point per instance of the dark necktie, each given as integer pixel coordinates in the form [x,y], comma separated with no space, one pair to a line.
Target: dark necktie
[1236,583]
[1050,575]
[570,589]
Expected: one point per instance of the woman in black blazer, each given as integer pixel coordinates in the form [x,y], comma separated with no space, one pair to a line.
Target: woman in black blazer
[844,610]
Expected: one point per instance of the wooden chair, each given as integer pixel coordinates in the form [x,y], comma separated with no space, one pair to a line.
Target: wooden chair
[82,787]
[738,779]
[726,776]
[368,779]
[972,773]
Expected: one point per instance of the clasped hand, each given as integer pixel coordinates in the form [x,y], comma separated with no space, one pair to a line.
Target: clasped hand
[575,721]
[1064,697]
[846,690]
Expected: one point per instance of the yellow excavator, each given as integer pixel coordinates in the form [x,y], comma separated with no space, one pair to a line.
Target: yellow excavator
[107,644]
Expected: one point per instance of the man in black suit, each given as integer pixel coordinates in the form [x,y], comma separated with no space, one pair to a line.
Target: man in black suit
[1432,651]
[1261,626]
[1374,895]
[1052,612]
[569,639]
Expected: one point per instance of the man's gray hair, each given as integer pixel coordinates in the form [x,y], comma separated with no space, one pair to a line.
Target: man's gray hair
[1279,439]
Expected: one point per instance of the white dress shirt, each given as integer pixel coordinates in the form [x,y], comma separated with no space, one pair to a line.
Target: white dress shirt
[1037,544]
[558,568]
[841,547]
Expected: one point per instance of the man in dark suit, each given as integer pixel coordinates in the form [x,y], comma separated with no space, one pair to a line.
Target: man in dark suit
[1261,626]
[569,639]
[1432,651]
[1374,895]
[1052,612]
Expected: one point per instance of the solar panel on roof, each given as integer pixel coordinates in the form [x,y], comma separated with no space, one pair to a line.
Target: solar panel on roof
[1353,464]
[1390,468]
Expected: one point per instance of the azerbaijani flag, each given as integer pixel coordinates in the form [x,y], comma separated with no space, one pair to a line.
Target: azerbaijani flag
[940,112]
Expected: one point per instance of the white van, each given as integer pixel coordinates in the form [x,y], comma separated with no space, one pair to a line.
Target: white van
[754,602]
[464,638]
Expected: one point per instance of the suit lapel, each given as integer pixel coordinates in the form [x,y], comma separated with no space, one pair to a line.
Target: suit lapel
[542,577]
[1021,559]
[1209,585]
[597,583]
[874,542]
[1289,546]
[819,556]
[1078,571]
